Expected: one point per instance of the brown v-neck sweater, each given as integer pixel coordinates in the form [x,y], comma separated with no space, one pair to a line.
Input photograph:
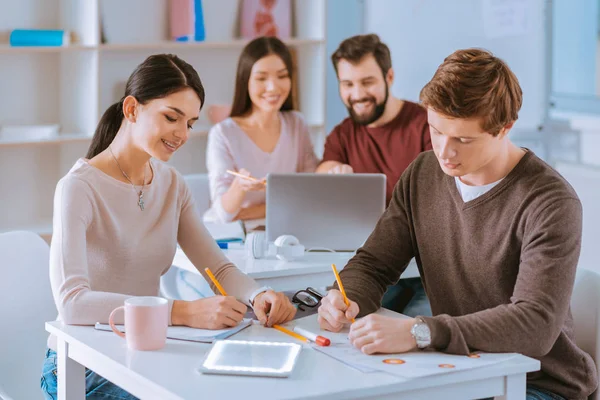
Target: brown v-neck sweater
[498,270]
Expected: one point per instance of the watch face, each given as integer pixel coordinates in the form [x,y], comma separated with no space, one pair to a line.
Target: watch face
[422,331]
[422,334]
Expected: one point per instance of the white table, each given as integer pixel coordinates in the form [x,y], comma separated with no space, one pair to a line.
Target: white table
[314,269]
[170,373]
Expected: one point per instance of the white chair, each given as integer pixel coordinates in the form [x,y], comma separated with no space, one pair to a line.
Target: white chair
[4,396]
[173,284]
[585,306]
[198,184]
[585,179]
[27,304]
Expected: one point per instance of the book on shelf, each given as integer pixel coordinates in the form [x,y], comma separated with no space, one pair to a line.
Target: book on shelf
[186,20]
[39,37]
[266,18]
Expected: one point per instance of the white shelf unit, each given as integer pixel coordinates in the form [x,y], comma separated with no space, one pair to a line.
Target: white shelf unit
[72,86]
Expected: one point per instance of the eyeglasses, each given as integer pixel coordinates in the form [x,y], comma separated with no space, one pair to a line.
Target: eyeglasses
[308,297]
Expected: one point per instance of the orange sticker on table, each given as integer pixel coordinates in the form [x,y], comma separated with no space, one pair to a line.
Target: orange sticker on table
[474,355]
[393,361]
[446,366]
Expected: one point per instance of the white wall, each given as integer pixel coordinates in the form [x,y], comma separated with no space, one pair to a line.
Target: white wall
[344,19]
[421,33]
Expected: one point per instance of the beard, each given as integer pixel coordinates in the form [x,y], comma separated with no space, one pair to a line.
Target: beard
[369,118]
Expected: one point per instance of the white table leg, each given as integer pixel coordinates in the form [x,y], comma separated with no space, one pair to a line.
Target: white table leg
[71,374]
[515,387]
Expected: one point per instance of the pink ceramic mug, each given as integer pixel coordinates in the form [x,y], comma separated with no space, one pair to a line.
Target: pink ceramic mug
[146,321]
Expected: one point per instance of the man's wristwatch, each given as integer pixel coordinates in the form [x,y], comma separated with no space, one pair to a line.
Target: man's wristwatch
[420,331]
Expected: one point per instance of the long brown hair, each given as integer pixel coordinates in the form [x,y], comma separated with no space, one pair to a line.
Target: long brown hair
[254,51]
[158,76]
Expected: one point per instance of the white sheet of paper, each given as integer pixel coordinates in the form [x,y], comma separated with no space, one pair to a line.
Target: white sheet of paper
[410,365]
[503,18]
[192,334]
[416,364]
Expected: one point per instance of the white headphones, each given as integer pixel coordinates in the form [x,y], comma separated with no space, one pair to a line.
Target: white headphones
[285,247]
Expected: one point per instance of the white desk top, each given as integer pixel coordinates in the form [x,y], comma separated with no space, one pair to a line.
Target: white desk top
[311,263]
[170,373]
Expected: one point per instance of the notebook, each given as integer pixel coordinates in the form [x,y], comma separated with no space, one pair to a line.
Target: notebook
[191,334]
[229,232]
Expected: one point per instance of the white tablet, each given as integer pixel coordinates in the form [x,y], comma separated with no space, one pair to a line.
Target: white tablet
[241,357]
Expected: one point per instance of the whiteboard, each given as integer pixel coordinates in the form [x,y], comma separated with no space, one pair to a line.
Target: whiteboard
[421,33]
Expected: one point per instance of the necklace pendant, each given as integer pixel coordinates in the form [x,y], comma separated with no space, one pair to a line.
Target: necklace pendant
[141,201]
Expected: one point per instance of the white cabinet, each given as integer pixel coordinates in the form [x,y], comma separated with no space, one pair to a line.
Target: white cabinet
[72,86]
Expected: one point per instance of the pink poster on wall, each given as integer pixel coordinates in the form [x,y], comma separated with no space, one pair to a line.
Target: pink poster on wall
[266,18]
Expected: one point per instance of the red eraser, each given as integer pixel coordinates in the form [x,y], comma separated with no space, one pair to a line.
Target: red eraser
[322,341]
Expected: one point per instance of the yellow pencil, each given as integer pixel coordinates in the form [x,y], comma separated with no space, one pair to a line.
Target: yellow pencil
[215,281]
[339,282]
[230,172]
[293,334]
[278,327]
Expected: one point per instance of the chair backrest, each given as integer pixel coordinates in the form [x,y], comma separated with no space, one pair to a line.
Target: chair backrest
[198,184]
[585,179]
[27,305]
[4,396]
[585,306]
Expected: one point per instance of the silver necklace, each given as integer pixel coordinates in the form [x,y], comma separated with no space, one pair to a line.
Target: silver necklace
[141,193]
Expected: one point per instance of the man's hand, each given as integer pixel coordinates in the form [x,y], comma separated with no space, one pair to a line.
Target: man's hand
[341,169]
[334,313]
[378,334]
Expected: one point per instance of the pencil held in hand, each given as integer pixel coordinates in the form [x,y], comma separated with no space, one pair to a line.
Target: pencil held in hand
[215,281]
[339,282]
[250,178]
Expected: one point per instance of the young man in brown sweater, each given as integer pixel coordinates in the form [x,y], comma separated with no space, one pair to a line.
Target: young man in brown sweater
[383,134]
[496,233]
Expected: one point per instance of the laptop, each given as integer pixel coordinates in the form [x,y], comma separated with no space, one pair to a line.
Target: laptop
[336,212]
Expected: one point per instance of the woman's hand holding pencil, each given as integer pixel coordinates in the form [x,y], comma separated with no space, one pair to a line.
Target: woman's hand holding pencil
[275,304]
[247,182]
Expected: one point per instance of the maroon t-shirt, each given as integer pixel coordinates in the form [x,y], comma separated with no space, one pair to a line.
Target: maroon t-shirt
[386,149]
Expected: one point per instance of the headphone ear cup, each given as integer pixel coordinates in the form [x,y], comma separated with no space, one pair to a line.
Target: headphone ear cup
[286,240]
[288,247]
[256,245]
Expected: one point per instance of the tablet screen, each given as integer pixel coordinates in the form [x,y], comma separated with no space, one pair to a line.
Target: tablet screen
[251,358]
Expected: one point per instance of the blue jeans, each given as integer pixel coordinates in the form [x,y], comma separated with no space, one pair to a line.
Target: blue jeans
[96,387]
[407,297]
[534,393]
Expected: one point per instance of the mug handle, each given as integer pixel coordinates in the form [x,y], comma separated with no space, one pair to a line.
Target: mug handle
[112,322]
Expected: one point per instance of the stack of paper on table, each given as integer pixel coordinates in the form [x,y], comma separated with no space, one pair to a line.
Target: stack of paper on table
[192,334]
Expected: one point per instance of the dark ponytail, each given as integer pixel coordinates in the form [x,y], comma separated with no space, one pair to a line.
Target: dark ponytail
[106,130]
[158,76]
